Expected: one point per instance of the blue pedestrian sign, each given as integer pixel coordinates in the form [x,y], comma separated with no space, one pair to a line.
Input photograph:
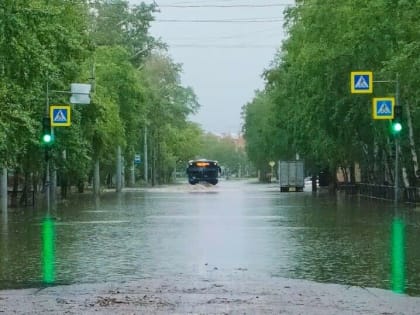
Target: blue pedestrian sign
[383,107]
[60,115]
[361,82]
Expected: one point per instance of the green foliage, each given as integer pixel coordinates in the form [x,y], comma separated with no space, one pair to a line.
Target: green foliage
[39,41]
[168,106]
[228,151]
[107,43]
[266,137]
[309,90]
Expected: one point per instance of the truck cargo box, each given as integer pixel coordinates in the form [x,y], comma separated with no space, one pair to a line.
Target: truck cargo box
[291,175]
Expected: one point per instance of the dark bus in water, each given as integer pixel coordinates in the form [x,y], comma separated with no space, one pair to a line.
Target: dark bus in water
[203,171]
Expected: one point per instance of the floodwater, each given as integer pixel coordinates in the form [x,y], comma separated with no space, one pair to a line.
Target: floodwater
[234,230]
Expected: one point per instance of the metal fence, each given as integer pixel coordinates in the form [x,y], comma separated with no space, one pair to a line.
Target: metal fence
[21,198]
[384,192]
[412,194]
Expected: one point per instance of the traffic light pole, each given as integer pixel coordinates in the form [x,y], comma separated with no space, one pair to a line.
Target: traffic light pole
[47,186]
[397,147]
[396,139]
[47,172]
[80,94]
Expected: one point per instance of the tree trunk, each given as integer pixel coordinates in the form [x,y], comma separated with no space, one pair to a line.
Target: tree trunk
[122,172]
[64,184]
[404,171]
[332,185]
[54,188]
[352,174]
[4,191]
[118,171]
[13,198]
[96,178]
[132,174]
[154,166]
[412,143]
[314,183]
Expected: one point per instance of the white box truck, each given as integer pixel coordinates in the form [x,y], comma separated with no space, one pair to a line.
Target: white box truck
[291,175]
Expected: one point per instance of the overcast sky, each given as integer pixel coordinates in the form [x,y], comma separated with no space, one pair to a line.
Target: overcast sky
[222,59]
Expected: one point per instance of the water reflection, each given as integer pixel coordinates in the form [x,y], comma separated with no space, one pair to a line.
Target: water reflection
[398,255]
[48,250]
[337,242]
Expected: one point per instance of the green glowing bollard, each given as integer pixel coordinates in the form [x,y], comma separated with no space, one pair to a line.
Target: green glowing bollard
[398,256]
[48,250]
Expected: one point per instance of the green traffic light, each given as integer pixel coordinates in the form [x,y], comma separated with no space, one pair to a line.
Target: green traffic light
[47,134]
[47,138]
[396,127]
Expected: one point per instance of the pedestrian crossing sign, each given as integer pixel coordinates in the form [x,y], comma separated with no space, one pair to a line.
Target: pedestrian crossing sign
[60,115]
[383,107]
[361,82]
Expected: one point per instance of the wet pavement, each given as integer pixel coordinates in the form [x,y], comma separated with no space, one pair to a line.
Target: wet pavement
[203,296]
[234,247]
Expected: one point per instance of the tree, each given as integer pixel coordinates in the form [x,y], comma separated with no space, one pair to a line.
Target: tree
[227,150]
[40,42]
[169,105]
[309,82]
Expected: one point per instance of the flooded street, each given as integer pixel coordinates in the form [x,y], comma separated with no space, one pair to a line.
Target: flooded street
[236,230]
